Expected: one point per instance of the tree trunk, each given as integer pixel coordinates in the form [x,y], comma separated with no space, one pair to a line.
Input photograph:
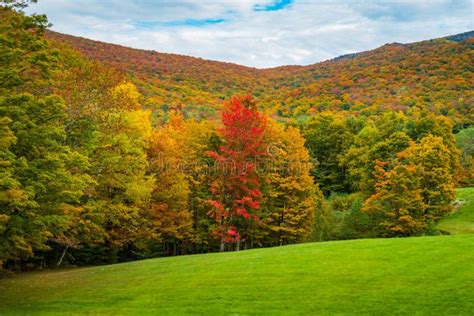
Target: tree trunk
[42,261]
[237,248]
[62,256]
[222,244]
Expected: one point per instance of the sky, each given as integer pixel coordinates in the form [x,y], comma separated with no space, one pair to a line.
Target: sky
[258,33]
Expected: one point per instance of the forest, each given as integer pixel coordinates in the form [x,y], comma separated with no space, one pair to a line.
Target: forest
[111,154]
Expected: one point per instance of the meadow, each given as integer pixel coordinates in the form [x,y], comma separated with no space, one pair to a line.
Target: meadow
[415,275]
[462,221]
[379,276]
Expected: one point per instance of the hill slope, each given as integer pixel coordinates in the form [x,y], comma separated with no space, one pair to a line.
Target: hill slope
[462,221]
[379,276]
[435,74]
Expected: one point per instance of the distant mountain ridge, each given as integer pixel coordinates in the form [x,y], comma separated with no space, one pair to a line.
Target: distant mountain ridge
[461,36]
[433,74]
[55,35]
[456,38]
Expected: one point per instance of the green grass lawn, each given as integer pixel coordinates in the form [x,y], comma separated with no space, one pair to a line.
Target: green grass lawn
[425,275]
[462,221]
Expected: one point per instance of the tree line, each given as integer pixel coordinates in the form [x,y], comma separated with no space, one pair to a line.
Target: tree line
[91,174]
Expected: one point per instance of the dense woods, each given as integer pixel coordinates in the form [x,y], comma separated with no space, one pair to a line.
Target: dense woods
[110,154]
[435,75]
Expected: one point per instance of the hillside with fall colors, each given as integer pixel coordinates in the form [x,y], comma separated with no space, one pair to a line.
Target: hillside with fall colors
[434,74]
[340,187]
[111,154]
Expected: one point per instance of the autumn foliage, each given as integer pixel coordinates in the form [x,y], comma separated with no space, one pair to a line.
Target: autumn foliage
[238,183]
[110,154]
[414,190]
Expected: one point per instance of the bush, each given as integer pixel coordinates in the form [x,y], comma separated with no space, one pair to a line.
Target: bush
[348,220]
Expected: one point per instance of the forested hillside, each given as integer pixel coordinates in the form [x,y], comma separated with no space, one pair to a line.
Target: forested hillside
[435,74]
[112,154]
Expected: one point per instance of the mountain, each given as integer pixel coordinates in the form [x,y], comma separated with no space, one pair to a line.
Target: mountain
[434,74]
[460,37]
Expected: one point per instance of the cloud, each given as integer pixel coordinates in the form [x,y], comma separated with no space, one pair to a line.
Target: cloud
[272,6]
[185,22]
[258,33]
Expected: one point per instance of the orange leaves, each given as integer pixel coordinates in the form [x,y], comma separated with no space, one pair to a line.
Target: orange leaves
[414,190]
[392,77]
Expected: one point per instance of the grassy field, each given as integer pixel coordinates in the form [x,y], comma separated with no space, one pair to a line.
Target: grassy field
[425,275]
[462,221]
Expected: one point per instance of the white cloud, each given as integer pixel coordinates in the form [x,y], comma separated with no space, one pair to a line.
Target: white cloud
[304,32]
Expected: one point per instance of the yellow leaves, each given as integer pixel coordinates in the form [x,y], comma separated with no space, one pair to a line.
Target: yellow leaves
[125,96]
[138,121]
[138,191]
[406,219]
[415,188]
[4,220]
[396,228]
[176,120]
[291,195]
[12,195]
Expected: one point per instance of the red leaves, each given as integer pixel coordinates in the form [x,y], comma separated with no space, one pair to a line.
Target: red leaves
[218,211]
[242,212]
[229,235]
[243,136]
[249,202]
[232,231]
[244,128]
[217,205]
[254,192]
[232,235]
[214,155]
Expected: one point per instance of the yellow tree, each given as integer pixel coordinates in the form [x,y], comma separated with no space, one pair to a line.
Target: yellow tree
[121,194]
[414,190]
[291,197]
[178,205]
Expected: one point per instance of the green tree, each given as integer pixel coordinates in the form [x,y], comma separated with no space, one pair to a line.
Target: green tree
[327,139]
[43,178]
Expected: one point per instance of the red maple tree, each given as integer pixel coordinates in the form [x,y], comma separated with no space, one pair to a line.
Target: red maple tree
[236,189]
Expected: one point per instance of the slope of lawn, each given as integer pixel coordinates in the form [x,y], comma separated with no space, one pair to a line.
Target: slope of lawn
[462,221]
[425,275]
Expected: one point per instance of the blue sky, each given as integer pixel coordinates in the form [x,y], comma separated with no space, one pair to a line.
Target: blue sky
[259,33]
